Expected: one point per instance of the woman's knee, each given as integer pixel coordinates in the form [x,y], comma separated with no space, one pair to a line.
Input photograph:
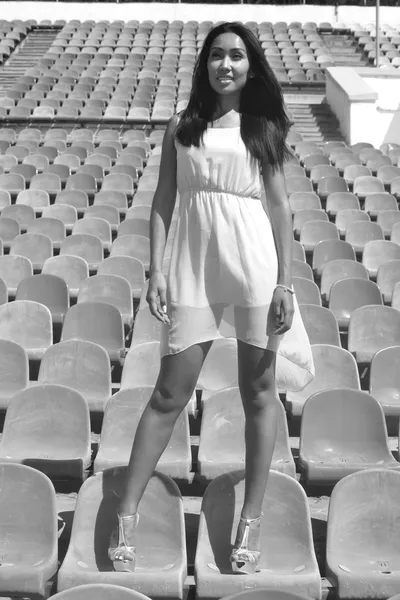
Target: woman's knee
[259,394]
[169,399]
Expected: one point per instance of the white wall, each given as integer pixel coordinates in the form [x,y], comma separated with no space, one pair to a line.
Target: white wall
[185,12]
[366,103]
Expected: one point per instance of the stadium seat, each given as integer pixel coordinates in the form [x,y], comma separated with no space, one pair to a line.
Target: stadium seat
[372,328]
[346,295]
[84,245]
[329,250]
[222,444]
[376,203]
[304,201]
[342,431]
[107,212]
[13,183]
[359,560]
[46,289]
[121,418]
[34,246]
[286,538]
[14,371]
[21,213]
[28,524]
[321,325]
[72,269]
[160,536]
[309,214]
[12,270]
[5,199]
[99,323]
[9,229]
[81,365]
[384,380]
[128,267]
[48,182]
[111,289]
[313,232]
[136,246]
[338,201]
[359,233]
[47,427]
[395,234]
[307,292]
[387,276]
[104,591]
[367,184]
[387,219]
[94,226]
[75,198]
[378,252]
[27,323]
[330,185]
[302,269]
[334,367]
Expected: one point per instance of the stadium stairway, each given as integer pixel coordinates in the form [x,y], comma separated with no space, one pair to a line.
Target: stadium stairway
[27,54]
[344,50]
[313,120]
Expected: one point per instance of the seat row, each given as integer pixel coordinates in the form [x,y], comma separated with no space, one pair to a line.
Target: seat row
[288,560]
[47,425]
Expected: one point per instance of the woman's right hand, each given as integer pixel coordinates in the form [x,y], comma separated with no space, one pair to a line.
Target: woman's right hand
[156,297]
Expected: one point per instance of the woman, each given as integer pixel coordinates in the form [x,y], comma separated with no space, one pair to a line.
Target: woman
[229,274]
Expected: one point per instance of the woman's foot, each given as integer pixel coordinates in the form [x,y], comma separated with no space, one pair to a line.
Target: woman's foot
[121,551]
[246,553]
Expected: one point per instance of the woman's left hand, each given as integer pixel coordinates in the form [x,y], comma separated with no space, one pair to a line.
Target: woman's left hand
[283,307]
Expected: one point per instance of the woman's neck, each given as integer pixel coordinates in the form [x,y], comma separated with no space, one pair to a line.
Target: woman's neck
[225,105]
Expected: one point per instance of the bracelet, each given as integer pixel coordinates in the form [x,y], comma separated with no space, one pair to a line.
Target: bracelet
[286,288]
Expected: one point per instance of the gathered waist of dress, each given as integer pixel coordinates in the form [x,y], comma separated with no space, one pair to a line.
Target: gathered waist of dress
[209,191]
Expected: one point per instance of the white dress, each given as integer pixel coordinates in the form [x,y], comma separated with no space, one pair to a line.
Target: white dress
[223,266]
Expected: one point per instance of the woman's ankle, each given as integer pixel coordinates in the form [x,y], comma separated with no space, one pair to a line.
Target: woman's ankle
[127,510]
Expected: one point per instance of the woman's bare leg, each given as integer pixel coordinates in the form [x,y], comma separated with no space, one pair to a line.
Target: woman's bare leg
[174,387]
[256,369]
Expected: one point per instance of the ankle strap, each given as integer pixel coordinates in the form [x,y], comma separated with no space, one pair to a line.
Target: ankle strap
[248,521]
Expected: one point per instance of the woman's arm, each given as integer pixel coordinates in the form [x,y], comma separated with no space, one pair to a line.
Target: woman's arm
[280,215]
[164,199]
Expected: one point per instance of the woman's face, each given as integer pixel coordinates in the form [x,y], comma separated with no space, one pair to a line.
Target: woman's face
[228,64]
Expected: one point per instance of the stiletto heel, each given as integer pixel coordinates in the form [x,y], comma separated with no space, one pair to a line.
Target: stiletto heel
[244,559]
[123,556]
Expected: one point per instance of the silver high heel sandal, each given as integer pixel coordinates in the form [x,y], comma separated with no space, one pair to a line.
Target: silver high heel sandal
[123,556]
[243,559]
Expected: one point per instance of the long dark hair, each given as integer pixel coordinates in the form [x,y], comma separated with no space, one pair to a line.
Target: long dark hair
[264,123]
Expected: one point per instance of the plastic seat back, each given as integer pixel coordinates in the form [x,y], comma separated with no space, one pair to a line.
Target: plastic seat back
[339,269]
[306,291]
[14,371]
[372,328]
[27,503]
[352,541]
[377,253]
[46,289]
[81,365]
[27,323]
[321,324]
[346,295]
[342,430]
[72,269]
[102,591]
[112,289]
[37,247]
[87,246]
[334,367]
[96,322]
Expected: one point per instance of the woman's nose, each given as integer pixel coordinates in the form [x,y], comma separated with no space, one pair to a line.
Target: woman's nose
[226,62]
